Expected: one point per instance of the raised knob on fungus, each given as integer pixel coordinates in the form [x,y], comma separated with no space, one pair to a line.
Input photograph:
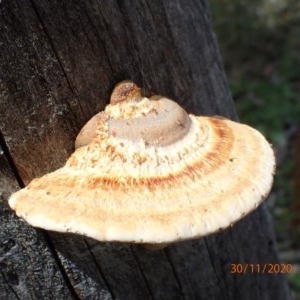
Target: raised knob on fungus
[145,171]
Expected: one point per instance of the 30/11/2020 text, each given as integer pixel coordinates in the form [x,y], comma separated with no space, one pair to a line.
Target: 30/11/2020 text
[268,268]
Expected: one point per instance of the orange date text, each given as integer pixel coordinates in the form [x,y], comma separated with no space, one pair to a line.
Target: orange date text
[267,268]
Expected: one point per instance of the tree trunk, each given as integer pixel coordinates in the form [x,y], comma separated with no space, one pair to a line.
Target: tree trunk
[59,62]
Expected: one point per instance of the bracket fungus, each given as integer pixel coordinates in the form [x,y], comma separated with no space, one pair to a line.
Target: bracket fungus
[144,171]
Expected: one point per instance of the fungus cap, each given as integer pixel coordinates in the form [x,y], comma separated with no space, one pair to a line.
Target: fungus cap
[145,171]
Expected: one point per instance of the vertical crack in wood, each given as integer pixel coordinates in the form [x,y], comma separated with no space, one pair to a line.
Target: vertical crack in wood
[45,30]
[94,14]
[10,161]
[109,289]
[9,285]
[142,273]
[215,268]
[174,272]
[60,266]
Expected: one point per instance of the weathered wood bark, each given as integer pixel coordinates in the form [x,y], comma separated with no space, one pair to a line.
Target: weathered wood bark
[59,61]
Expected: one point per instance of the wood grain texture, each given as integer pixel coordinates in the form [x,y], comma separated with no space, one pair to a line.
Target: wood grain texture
[59,61]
